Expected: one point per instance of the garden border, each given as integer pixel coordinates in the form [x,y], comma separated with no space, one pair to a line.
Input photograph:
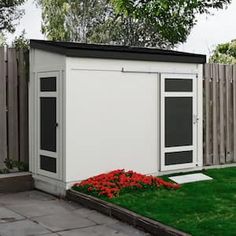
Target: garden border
[16,182]
[148,225]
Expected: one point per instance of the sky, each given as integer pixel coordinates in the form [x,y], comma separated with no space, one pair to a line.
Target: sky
[206,34]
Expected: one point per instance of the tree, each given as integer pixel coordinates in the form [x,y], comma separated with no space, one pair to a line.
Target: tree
[165,22]
[159,23]
[72,19]
[224,53]
[54,15]
[9,14]
[21,42]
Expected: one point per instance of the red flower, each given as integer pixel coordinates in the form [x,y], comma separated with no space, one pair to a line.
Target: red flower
[112,183]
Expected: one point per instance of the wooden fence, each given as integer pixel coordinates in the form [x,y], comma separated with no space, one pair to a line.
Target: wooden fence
[13,105]
[219,109]
[219,114]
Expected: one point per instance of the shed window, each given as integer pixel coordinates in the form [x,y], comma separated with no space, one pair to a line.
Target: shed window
[178,85]
[48,84]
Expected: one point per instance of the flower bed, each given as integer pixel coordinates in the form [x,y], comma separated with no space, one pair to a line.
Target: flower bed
[116,182]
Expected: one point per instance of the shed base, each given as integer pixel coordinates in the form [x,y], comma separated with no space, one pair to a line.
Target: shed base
[49,185]
[170,172]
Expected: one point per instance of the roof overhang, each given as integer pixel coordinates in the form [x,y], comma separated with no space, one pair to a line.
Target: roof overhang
[117,52]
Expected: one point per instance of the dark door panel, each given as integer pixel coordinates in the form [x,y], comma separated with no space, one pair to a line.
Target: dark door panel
[48,124]
[178,121]
[174,158]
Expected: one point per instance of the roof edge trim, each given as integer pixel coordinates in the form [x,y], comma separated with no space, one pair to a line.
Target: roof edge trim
[116,52]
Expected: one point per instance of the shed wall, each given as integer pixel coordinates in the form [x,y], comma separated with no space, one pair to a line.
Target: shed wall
[112,117]
[41,61]
[109,118]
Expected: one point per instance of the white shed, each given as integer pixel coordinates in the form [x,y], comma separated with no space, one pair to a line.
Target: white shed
[96,108]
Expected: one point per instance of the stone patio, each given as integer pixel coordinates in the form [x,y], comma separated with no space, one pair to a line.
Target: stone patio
[36,213]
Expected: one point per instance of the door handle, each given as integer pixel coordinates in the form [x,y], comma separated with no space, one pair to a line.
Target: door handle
[195,119]
[56,124]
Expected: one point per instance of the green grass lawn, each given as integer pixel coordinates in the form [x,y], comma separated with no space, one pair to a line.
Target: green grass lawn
[204,208]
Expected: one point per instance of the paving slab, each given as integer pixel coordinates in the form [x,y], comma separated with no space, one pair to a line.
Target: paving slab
[52,234]
[100,230]
[64,221]
[25,197]
[22,228]
[95,216]
[126,229]
[52,207]
[7,215]
[34,213]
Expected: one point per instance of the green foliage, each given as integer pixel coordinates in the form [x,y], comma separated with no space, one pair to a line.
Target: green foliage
[10,164]
[9,14]
[15,166]
[224,53]
[161,23]
[165,23]
[73,20]
[4,171]
[200,209]
[54,14]
[21,42]
[2,40]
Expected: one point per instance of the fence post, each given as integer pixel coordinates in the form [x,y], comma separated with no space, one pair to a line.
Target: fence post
[23,105]
[222,113]
[207,76]
[3,108]
[234,111]
[215,79]
[229,78]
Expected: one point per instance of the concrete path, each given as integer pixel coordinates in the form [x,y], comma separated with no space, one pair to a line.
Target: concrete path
[36,213]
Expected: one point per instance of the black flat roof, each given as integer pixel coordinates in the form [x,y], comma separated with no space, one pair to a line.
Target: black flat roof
[116,52]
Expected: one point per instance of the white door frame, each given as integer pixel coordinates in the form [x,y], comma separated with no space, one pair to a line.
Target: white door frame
[193,147]
[57,154]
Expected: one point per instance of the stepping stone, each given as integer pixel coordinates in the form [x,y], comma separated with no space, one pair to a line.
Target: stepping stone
[183,179]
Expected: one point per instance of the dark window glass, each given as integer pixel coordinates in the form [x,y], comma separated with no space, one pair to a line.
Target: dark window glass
[174,158]
[178,85]
[48,123]
[48,84]
[48,164]
[178,121]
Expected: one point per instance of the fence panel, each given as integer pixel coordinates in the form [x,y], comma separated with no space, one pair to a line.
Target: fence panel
[219,109]
[12,91]
[219,114]
[13,105]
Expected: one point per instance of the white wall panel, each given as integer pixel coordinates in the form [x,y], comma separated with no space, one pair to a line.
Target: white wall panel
[41,61]
[112,122]
[141,66]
